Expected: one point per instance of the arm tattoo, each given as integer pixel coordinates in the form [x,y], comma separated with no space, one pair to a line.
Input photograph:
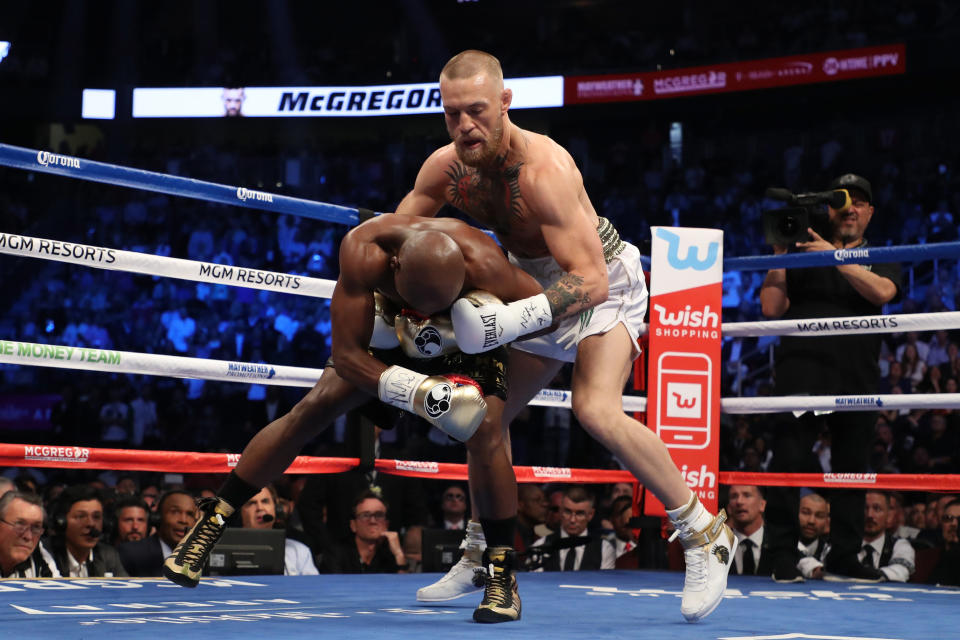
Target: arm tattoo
[566,293]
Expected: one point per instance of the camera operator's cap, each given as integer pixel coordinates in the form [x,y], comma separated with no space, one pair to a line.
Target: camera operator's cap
[853,181]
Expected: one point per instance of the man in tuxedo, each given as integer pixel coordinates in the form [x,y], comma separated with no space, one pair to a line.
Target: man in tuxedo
[576,512]
[144,558]
[887,557]
[754,552]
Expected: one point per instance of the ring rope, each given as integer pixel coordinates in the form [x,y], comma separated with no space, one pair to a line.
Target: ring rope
[811,327]
[91,170]
[153,265]
[64,357]
[837,257]
[53,456]
[74,457]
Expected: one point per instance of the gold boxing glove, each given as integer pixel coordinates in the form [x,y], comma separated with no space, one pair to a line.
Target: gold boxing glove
[452,403]
[422,337]
[384,333]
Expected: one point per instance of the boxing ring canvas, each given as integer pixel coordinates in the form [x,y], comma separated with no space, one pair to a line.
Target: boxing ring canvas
[582,605]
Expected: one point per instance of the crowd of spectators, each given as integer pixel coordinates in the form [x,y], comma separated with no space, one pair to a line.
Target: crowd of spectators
[124,524]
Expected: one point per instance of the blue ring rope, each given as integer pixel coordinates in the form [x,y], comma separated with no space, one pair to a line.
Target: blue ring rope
[867,255]
[83,169]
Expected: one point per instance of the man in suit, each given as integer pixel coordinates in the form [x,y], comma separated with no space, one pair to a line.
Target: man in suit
[576,512]
[885,557]
[78,527]
[813,543]
[177,513]
[753,555]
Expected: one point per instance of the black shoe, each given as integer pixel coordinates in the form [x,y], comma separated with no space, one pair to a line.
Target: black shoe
[501,601]
[185,564]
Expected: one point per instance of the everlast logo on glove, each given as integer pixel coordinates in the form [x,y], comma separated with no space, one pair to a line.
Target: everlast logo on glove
[490,333]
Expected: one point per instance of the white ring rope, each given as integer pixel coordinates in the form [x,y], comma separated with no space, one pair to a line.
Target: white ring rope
[47,355]
[119,260]
[844,326]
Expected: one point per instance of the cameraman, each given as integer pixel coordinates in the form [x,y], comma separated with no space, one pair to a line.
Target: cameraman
[830,365]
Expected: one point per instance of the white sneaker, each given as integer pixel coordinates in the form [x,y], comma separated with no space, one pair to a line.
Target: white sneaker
[708,554]
[462,579]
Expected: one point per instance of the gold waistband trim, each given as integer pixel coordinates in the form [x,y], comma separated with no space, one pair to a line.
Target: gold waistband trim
[610,239]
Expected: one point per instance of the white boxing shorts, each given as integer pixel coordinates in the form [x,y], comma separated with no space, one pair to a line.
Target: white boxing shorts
[626,304]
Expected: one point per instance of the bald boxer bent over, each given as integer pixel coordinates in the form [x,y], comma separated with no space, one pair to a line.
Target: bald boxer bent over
[413,263]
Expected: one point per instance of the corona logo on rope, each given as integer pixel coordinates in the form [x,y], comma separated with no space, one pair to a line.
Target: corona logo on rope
[45,159]
[683,401]
[244,194]
[842,254]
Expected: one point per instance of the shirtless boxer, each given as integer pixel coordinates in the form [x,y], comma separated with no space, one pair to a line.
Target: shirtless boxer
[413,263]
[527,189]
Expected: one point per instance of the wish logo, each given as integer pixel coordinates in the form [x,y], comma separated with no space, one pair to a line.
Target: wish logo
[692,259]
[684,400]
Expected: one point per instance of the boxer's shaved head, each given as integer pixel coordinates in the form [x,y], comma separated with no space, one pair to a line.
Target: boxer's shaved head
[430,271]
[471,62]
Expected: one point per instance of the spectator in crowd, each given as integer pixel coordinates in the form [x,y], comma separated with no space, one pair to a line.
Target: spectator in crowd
[592,552]
[531,511]
[947,570]
[115,417]
[938,353]
[177,513]
[554,502]
[133,519]
[21,525]
[453,507]
[813,544]
[374,547]
[144,424]
[6,484]
[884,557]
[753,555]
[912,367]
[126,485]
[916,515]
[951,368]
[829,365]
[78,528]
[413,549]
[896,520]
[150,495]
[913,340]
[261,512]
[643,545]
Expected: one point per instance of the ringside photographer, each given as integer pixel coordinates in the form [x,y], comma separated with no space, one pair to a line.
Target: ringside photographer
[830,365]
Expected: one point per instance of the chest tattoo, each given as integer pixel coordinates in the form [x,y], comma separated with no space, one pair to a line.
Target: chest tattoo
[493,198]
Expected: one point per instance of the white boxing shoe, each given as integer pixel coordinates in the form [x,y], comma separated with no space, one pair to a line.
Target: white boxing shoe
[462,579]
[708,554]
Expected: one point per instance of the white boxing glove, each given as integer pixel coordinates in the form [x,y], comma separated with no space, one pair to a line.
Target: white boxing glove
[485,327]
[452,403]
